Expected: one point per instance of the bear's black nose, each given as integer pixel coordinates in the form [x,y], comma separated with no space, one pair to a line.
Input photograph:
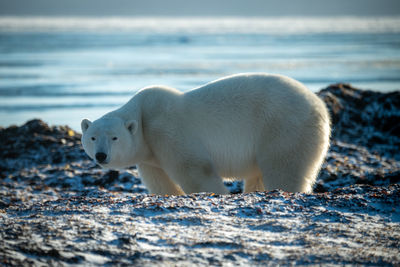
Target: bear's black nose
[101,157]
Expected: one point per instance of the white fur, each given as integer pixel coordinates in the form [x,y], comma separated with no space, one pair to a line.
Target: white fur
[267,129]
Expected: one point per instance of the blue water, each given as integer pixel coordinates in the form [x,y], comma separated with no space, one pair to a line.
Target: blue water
[63,74]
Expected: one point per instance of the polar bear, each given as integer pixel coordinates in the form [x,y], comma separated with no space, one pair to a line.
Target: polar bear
[269,130]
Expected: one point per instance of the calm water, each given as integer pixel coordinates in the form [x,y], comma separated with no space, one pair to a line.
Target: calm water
[65,69]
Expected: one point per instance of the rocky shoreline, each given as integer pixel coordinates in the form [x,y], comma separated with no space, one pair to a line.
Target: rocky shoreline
[58,207]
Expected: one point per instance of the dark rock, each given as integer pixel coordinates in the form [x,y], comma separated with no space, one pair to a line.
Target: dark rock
[319,188]
[365,118]
[393,177]
[37,143]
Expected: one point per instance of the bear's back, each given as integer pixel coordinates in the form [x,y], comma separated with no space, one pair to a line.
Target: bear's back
[249,97]
[232,114]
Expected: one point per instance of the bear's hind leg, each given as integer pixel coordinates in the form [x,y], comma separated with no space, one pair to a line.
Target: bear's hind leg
[292,172]
[252,184]
[284,179]
[157,181]
[292,163]
[195,176]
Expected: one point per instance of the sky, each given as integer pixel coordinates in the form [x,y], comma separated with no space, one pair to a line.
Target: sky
[257,8]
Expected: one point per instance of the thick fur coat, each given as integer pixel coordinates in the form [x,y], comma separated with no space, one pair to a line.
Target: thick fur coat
[269,130]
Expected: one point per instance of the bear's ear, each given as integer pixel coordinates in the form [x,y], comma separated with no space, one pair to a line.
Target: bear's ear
[131,126]
[85,125]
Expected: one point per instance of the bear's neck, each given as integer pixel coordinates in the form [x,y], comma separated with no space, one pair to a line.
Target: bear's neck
[129,111]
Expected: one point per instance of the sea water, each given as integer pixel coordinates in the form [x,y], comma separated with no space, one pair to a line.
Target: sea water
[64,69]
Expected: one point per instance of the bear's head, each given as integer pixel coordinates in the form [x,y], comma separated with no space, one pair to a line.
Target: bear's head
[110,142]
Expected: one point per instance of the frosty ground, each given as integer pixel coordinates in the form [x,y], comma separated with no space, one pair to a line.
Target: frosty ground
[57,207]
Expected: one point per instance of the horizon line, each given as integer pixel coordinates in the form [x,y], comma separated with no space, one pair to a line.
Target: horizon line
[197,16]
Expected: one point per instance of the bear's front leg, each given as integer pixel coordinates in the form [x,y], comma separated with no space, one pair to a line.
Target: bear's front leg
[157,181]
[195,176]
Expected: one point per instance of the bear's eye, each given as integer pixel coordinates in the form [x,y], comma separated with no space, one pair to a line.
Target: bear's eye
[115,138]
[93,138]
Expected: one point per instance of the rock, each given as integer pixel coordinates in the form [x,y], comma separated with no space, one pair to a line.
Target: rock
[365,118]
[37,143]
[356,225]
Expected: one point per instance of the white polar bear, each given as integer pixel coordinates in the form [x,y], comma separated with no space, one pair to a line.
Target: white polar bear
[267,129]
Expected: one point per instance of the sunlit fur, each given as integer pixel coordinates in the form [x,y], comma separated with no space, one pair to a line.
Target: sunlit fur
[109,136]
[267,129]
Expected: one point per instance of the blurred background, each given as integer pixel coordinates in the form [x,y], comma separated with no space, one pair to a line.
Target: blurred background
[62,61]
